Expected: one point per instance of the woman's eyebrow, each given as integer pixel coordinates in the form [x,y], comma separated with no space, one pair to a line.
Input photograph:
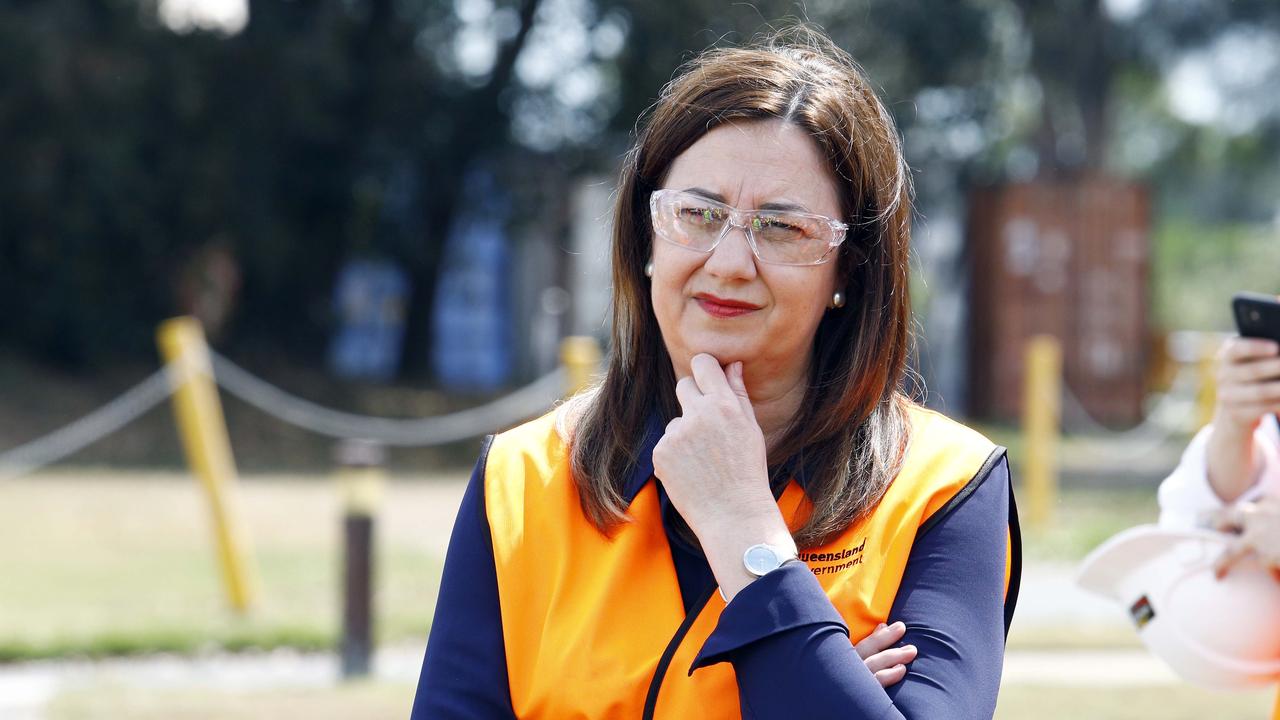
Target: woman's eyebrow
[706,194]
[784,207]
[778,206]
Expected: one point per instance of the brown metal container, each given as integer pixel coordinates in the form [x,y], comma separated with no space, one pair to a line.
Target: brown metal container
[1070,259]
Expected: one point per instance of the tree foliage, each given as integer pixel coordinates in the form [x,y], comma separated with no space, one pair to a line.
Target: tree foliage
[328,129]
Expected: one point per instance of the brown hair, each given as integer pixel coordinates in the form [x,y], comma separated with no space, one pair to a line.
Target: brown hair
[850,431]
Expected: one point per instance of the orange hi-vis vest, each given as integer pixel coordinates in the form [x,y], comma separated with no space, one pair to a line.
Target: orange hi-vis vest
[592,624]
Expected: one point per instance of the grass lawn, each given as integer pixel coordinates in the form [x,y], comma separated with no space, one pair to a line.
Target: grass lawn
[99,564]
[1180,702]
[114,564]
[1083,519]
[367,701]
[111,563]
[374,701]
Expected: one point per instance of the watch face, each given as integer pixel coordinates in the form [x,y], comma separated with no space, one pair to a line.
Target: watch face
[760,559]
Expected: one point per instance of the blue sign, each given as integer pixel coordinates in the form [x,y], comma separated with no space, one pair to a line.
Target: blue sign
[370,300]
[472,332]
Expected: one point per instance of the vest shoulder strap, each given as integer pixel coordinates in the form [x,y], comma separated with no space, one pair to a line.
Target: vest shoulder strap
[521,466]
[949,457]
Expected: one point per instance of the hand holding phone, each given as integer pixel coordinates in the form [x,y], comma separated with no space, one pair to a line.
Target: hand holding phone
[1249,366]
[1248,389]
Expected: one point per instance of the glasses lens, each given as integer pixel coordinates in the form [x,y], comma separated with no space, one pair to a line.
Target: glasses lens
[690,221]
[781,238]
[791,239]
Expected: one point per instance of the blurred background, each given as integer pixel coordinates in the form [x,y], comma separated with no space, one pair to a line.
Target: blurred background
[384,214]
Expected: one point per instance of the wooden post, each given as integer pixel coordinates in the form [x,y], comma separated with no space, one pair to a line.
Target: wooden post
[361,477]
[1041,414]
[580,356]
[208,450]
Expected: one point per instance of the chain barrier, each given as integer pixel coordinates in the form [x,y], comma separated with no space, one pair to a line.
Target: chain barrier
[526,402]
[1167,414]
[1170,417]
[49,449]
[522,404]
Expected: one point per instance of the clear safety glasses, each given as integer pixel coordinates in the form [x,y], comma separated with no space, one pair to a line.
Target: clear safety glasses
[777,237]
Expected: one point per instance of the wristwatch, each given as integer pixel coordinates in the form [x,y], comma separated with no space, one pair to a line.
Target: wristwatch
[761,559]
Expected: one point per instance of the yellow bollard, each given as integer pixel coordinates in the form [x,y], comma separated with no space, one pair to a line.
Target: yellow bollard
[204,440]
[1207,395]
[580,356]
[1041,413]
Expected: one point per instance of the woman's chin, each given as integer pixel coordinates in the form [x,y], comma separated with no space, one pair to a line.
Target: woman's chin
[725,353]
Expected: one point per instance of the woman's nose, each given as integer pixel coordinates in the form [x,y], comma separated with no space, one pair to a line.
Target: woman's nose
[732,257]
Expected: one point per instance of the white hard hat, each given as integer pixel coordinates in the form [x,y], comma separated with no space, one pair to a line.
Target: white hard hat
[1217,633]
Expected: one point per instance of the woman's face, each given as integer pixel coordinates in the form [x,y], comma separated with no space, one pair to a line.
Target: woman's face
[772,311]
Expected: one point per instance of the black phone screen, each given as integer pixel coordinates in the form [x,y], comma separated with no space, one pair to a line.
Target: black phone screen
[1257,315]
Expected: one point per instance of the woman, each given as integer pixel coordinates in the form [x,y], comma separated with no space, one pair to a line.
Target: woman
[748,491]
[1230,473]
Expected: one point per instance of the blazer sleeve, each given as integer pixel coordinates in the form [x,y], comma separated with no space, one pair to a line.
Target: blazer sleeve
[793,656]
[464,672]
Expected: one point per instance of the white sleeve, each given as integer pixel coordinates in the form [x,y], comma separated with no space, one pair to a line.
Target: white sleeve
[1186,496]
[1269,440]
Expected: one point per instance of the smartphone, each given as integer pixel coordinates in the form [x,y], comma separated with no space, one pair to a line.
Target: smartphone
[1257,315]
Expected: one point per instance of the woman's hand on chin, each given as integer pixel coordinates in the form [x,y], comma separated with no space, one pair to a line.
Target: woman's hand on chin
[712,463]
[711,460]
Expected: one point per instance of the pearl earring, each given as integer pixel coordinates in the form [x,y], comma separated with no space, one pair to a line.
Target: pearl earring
[837,299]
[648,269]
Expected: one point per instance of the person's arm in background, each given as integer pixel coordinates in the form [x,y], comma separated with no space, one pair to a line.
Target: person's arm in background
[1228,460]
[791,651]
[1229,476]
[464,673]
[1248,377]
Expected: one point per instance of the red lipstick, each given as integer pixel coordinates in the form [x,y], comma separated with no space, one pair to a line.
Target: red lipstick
[723,307]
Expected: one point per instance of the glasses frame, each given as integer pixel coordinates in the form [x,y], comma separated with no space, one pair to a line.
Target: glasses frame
[741,219]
